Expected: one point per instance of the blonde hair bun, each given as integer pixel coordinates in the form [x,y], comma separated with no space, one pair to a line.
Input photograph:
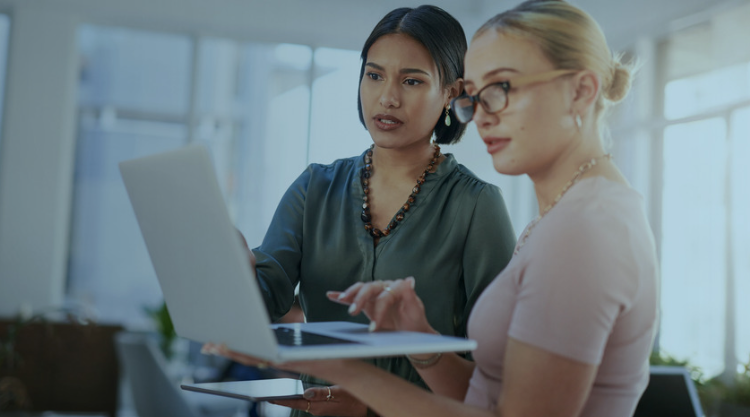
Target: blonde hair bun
[620,84]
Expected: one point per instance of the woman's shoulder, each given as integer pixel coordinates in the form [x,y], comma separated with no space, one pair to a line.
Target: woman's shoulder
[604,198]
[597,237]
[473,187]
[338,164]
[460,175]
[338,168]
[596,213]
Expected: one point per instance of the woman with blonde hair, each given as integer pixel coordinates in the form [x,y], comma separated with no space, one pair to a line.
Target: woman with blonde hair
[566,329]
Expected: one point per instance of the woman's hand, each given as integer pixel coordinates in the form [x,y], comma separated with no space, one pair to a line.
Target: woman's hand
[332,400]
[327,401]
[390,305]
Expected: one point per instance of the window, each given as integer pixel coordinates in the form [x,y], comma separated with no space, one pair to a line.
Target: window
[133,100]
[146,92]
[705,247]
[4,36]
[335,129]
[694,243]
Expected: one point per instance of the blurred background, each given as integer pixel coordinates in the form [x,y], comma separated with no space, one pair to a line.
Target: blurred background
[270,86]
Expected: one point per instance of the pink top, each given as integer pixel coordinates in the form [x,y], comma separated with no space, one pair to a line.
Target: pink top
[583,286]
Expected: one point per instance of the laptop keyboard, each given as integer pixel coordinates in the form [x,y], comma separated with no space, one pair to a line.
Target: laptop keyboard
[295,337]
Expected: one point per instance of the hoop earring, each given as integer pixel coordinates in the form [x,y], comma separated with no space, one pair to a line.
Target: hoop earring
[447,116]
[578,121]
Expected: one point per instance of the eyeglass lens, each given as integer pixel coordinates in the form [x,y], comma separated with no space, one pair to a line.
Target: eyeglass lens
[493,99]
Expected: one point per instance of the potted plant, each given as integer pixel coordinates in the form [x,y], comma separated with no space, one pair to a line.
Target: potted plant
[734,397]
[164,327]
[718,398]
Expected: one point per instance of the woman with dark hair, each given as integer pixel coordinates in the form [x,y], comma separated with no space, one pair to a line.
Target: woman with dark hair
[401,208]
[566,329]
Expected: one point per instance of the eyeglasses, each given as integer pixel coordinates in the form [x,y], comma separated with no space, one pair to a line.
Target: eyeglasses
[494,97]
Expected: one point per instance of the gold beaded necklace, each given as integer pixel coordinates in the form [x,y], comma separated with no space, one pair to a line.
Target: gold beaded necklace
[576,177]
[365,178]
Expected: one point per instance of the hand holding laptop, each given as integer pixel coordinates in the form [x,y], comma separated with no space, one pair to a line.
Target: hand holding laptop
[393,304]
[390,306]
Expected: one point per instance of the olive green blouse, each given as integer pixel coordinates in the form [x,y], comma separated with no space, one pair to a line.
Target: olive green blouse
[454,240]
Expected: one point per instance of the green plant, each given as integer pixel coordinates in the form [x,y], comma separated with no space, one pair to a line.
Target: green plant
[713,392]
[165,328]
[664,359]
[739,391]
[9,358]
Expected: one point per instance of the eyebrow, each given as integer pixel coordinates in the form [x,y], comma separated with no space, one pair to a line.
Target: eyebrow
[493,73]
[402,71]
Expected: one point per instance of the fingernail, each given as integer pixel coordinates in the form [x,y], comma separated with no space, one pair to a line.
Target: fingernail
[308,394]
[411,281]
[342,295]
[352,308]
[372,327]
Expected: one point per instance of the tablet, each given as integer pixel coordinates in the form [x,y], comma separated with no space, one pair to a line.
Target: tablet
[255,390]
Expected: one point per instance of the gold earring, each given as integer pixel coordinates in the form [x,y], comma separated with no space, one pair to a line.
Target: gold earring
[447,116]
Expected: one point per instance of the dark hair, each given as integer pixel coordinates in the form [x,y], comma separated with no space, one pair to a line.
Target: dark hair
[444,39]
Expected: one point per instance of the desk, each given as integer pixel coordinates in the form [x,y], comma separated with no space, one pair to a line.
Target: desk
[67,367]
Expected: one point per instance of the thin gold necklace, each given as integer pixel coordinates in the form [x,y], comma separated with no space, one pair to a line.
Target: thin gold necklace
[576,177]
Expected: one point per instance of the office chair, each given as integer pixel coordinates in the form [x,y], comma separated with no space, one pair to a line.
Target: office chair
[155,394]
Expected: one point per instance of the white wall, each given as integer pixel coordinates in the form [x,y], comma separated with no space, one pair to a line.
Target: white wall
[36,158]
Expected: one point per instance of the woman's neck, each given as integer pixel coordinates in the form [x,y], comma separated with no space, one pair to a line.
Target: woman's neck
[407,161]
[550,181]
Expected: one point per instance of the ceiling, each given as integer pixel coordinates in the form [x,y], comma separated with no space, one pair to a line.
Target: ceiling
[346,23]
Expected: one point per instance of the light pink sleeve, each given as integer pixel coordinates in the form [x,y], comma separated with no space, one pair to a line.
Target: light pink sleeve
[580,280]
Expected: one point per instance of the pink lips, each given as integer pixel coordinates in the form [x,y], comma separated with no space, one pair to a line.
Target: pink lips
[495,145]
[387,122]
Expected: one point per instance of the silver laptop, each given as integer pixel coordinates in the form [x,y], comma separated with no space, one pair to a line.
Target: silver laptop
[208,284]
